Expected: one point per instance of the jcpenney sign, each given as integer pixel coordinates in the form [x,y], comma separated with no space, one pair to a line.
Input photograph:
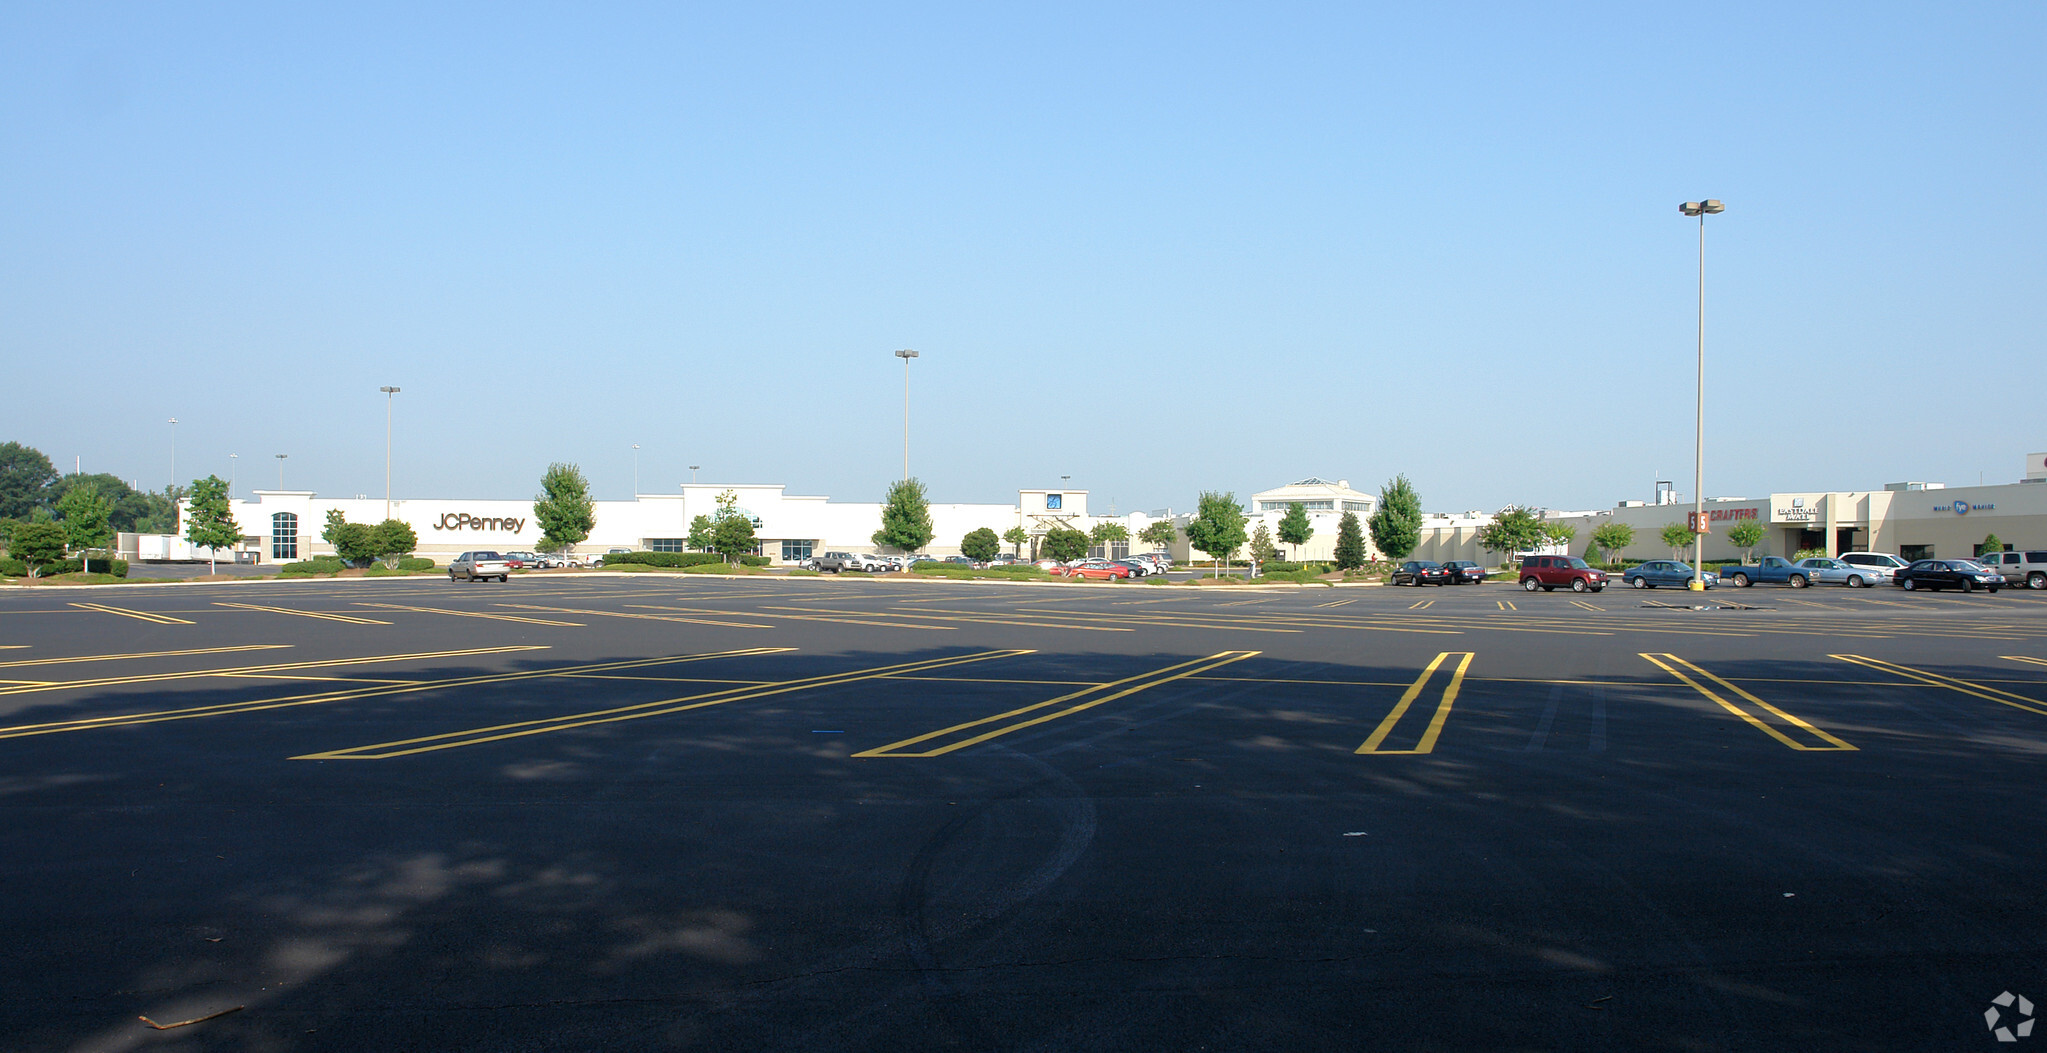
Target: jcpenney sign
[465,521]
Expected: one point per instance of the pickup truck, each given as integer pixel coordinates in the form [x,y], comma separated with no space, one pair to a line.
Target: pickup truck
[1770,570]
[834,562]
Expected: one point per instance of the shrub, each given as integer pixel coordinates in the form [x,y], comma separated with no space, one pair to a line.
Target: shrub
[804,572]
[663,559]
[12,568]
[415,563]
[316,565]
[755,561]
[1298,577]
[1808,553]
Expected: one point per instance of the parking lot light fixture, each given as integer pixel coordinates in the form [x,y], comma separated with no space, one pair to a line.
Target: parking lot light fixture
[1701,209]
[636,471]
[280,469]
[388,392]
[692,475]
[906,355]
[174,451]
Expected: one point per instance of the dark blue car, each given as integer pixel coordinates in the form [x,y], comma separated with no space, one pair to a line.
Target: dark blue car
[1664,572]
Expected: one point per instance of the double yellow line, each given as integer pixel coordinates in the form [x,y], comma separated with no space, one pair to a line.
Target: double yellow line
[349,618]
[663,707]
[157,619]
[1427,743]
[1991,694]
[1073,702]
[1694,677]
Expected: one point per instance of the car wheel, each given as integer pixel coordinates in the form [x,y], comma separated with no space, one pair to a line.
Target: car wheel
[1798,581]
[1910,585]
[2036,580]
[1577,584]
[1854,581]
[1741,580]
[1992,590]
[1641,583]
[1529,584]
[1968,585]
[451,576]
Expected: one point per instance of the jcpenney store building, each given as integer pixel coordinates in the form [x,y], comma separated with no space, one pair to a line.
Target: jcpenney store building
[280,526]
[1913,520]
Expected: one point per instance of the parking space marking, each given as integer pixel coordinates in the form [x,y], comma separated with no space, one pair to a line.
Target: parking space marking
[1421,605]
[1587,606]
[315,663]
[801,617]
[1427,743]
[351,619]
[988,618]
[1691,675]
[1084,699]
[1507,605]
[470,614]
[137,655]
[2002,697]
[641,711]
[1337,603]
[159,619]
[644,617]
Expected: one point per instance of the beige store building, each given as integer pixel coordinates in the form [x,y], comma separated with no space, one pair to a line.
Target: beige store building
[1912,520]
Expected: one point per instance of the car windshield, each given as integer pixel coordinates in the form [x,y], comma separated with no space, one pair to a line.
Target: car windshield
[1579,564]
[488,555]
[1968,564]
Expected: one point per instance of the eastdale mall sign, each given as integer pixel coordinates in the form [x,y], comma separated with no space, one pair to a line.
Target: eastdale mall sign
[465,521]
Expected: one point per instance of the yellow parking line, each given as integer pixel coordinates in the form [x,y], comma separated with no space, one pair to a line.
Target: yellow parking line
[321,663]
[802,617]
[1109,692]
[349,695]
[643,617]
[1587,606]
[1507,605]
[664,707]
[1338,603]
[1669,663]
[1423,605]
[159,619]
[303,614]
[1414,691]
[821,613]
[469,614]
[134,655]
[2007,698]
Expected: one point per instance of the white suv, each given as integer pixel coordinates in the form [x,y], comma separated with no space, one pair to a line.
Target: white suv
[2028,568]
[1881,565]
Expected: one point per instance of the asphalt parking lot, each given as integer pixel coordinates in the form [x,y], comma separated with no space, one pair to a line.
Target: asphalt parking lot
[671,812]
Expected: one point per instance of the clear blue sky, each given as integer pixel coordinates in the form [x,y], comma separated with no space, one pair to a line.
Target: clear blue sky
[1157,248]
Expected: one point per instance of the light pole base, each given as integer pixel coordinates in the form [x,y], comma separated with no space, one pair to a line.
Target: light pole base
[1696,585]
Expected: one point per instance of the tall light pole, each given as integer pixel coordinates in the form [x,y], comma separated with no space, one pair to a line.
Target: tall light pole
[692,475]
[636,471]
[174,453]
[388,392]
[906,355]
[280,469]
[1701,209]
[234,462]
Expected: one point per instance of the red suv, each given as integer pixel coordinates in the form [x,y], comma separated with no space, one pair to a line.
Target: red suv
[1548,572]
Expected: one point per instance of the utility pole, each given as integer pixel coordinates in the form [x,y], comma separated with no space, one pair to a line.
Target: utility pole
[906,355]
[1701,209]
[388,392]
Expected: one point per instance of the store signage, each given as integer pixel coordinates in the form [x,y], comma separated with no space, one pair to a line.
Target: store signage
[465,521]
[1962,508]
[1730,513]
[1797,515]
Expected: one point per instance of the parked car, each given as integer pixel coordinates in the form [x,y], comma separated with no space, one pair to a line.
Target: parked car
[1770,570]
[1660,572]
[1138,567]
[1099,569]
[1882,561]
[479,566]
[1464,572]
[1420,572]
[2028,568]
[1549,572]
[523,560]
[1826,571]
[1936,574]
[834,562]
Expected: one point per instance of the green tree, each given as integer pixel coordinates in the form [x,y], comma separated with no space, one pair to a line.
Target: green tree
[1262,548]
[1397,522]
[393,539]
[905,518]
[210,521]
[1294,527]
[24,473]
[1350,542]
[563,508]
[1744,536]
[1063,544]
[1513,529]
[1678,537]
[981,545]
[1991,543]
[132,510]
[86,517]
[1217,527]
[732,529]
[38,545]
[1016,536]
[1613,539]
[354,543]
[1106,534]
[1559,534]
[701,533]
[1159,535]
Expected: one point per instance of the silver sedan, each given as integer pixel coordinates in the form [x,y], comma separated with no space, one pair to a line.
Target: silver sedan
[1823,571]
